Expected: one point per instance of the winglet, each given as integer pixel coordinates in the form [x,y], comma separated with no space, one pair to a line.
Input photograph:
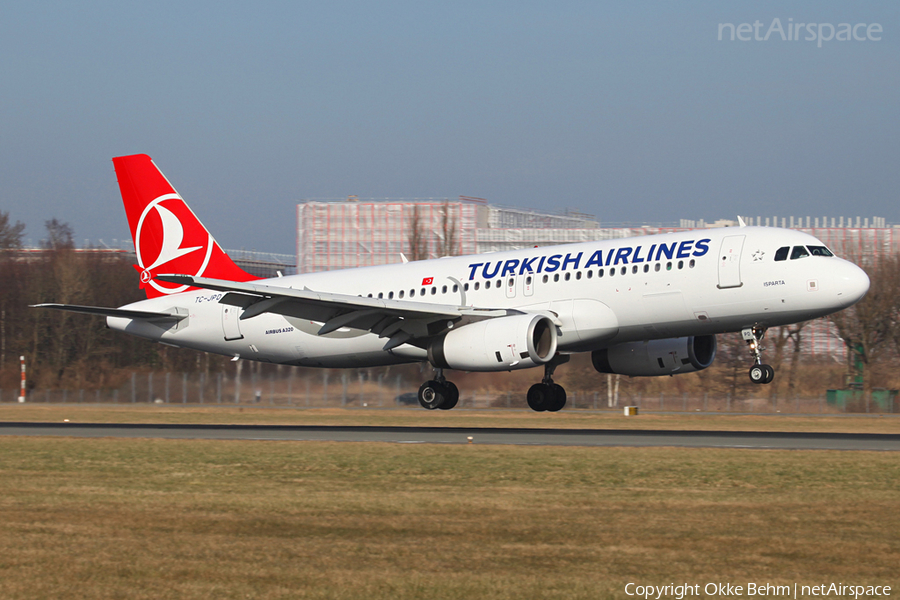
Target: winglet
[741,222]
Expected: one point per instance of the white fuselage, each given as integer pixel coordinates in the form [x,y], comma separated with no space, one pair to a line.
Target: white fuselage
[601,293]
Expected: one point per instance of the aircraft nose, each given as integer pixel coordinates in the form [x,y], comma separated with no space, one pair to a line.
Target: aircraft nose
[852,285]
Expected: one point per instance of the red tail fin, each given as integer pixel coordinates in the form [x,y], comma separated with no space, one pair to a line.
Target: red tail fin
[168,237]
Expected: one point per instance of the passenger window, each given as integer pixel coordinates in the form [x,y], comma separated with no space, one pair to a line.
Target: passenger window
[656,268]
[568,276]
[465,287]
[434,290]
[380,295]
[487,284]
[545,279]
[680,264]
[556,277]
[444,289]
[668,266]
[590,274]
[692,263]
[455,288]
[781,253]
[819,251]
[477,285]
[527,280]
[611,272]
[390,295]
[799,252]
[578,275]
[511,282]
[634,269]
[412,293]
[600,273]
[401,294]
[624,270]
[646,268]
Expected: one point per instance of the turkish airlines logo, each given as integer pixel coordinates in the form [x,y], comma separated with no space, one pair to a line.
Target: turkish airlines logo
[162,244]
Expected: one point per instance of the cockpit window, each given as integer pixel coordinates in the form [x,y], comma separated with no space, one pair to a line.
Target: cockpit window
[799,252]
[781,253]
[819,251]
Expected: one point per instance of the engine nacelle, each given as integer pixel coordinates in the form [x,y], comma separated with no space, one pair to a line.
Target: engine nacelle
[502,344]
[657,357]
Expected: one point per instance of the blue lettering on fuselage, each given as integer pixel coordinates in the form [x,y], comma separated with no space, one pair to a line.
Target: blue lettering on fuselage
[622,255]
[486,275]
[553,263]
[526,265]
[556,262]
[510,267]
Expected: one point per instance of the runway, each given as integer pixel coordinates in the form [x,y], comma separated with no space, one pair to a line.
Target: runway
[460,435]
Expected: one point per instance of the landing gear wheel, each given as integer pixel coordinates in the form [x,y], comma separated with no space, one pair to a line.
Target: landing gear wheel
[451,395]
[762,374]
[540,397]
[558,400]
[757,374]
[432,395]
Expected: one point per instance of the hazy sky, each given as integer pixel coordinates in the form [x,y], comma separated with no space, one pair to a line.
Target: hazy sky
[630,112]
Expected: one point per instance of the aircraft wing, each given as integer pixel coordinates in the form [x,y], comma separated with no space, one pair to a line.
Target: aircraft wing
[115,312]
[398,320]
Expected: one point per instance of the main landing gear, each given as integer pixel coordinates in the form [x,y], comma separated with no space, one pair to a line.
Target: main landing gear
[759,373]
[547,395]
[438,393]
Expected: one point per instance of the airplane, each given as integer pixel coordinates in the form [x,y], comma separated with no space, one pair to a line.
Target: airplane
[642,306]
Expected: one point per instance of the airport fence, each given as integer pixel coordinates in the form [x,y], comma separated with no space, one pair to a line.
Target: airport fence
[353,390]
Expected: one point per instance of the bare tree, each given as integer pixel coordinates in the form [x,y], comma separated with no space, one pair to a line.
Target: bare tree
[59,235]
[418,236]
[867,327]
[10,235]
[794,333]
[448,227]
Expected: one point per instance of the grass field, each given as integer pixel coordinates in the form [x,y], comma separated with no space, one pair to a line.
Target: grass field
[415,417]
[122,518]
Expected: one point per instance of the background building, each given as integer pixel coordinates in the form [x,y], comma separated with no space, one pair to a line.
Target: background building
[354,233]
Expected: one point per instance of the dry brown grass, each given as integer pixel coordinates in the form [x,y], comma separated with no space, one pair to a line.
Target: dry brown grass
[219,519]
[417,417]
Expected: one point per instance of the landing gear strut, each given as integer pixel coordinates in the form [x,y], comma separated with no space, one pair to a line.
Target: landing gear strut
[759,373]
[547,395]
[438,392]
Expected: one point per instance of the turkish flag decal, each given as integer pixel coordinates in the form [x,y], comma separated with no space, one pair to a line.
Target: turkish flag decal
[428,281]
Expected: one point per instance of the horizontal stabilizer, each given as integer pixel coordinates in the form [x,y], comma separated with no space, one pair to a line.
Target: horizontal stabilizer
[114,312]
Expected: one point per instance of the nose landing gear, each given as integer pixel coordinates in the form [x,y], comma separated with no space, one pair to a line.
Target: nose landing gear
[759,373]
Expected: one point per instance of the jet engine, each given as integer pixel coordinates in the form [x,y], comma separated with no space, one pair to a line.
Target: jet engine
[501,344]
[657,357]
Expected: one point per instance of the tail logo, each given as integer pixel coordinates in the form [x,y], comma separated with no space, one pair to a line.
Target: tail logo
[160,245]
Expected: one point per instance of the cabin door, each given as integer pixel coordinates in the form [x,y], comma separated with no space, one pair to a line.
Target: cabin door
[730,261]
